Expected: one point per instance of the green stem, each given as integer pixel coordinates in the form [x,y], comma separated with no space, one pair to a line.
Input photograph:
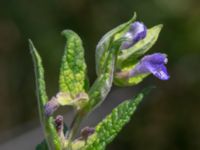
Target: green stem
[74,128]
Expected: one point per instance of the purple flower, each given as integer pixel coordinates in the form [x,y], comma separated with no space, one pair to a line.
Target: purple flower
[154,63]
[136,33]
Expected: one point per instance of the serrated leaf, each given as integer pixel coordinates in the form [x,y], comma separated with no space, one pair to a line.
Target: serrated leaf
[108,129]
[47,123]
[73,68]
[129,55]
[107,40]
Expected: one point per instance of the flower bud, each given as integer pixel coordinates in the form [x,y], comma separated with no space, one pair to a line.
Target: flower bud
[51,106]
[86,132]
[136,33]
[59,123]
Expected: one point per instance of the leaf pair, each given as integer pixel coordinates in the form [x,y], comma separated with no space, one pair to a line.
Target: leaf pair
[72,82]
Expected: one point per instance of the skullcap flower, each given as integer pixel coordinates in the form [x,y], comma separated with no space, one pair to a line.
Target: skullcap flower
[154,63]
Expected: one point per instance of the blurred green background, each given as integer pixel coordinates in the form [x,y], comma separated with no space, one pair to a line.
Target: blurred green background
[167,119]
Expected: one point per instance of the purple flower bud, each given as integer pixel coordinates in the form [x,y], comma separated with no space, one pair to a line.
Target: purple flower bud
[86,132]
[136,33]
[59,126]
[59,123]
[154,63]
[51,106]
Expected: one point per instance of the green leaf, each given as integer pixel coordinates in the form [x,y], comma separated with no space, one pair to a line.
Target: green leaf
[40,83]
[108,129]
[129,55]
[103,83]
[102,49]
[130,81]
[73,68]
[51,136]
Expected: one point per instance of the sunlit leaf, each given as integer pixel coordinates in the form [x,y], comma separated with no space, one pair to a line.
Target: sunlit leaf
[103,83]
[73,68]
[108,129]
[102,49]
[51,136]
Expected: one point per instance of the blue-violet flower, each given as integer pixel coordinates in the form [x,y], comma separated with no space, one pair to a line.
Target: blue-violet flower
[154,63]
[136,33]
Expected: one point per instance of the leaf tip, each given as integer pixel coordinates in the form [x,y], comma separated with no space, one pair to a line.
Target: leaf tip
[148,89]
[160,26]
[134,15]
[67,33]
[31,45]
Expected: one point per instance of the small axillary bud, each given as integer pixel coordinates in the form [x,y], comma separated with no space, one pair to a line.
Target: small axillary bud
[62,99]
[59,100]
[51,106]
[86,132]
[59,124]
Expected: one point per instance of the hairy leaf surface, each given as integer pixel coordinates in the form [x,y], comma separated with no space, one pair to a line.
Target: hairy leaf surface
[102,49]
[73,68]
[53,140]
[107,129]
